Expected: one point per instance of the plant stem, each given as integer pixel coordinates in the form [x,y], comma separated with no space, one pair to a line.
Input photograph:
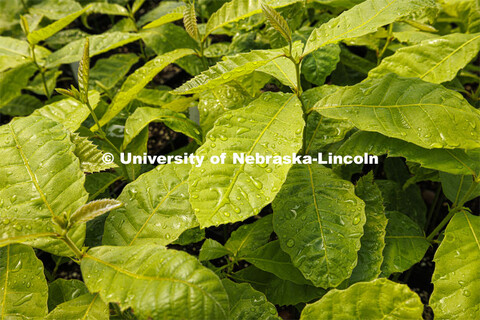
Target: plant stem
[387,43]
[434,204]
[42,73]
[72,246]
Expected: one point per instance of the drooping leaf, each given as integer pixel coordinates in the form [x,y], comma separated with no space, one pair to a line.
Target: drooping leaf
[455,161]
[23,293]
[408,201]
[272,258]
[271,124]
[278,291]
[70,112]
[86,307]
[157,283]
[370,256]
[249,303]
[13,81]
[156,208]
[362,19]
[101,43]
[393,301]
[319,222]
[456,285]
[36,36]
[212,249]
[455,187]
[409,109]
[94,209]
[41,179]
[250,237]
[436,60]
[320,63]
[405,243]
[111,70]
[143,116]
[61,290]
[91,158]
[229,69]
[237,10]
[138,80]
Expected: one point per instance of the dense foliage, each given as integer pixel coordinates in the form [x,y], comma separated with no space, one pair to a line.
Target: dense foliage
[84,81]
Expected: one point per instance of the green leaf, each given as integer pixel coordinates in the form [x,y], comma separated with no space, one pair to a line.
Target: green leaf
[36,36]
[237,10]
[61,290]
[190,236]
[320,63]
[277,21]
[86,307]
[101,43]
[405,243]
[283,69]
[408,201]
[142,117]
[107,8]
[23,293]
[91,158]
[156,209]
[157,283]
[212,249]
[55,9]
[111,70]
[456,285]
[156,97]
[319,222]
[94,209]
[271,124]
[97,183]
[22,105]
[250,237]
[370,256]
[227,70]
[136,5]
[190,21]
[455,161]
[272,258]
[174,15]
[70,112]
[392,301]
[84,72]
[13,81]
[437,60]
[249,303]
[36,85]
[278,291]
[42,180]
[363,19]
[138,80]
[455,187]
[409,109]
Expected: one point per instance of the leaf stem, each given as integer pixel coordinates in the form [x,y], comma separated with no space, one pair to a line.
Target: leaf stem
[42,72]
[387,43]
[434,204]
[71,245]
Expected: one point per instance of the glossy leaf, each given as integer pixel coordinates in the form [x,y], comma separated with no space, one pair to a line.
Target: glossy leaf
[277,21]
[91,158]
[138,80]
[405,243]
[436,60]
[190,21]
[237,10]
[23,293]
[249,303]
[370,256]
[107,8]
[36,36]
[174,15]
[94,209]
[84,72]
[250,237]
[283,69]
[86,307]
[101,43]
[42,180]
[319,222]
[408,109]
[393,301]
[455,161]
[320,63]
[456,285]
[70,112]
[271,124]
[278,291]
[61,290]
[212,249]
[229,69]
[157,283]
[156,209]
[143,116]
[455,187]
[13,81]
[363,19]
[111,70]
